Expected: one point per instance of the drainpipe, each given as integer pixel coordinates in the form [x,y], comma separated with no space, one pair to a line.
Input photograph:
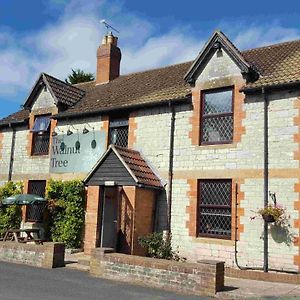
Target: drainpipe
[12,152]
[171,158]
[266,177]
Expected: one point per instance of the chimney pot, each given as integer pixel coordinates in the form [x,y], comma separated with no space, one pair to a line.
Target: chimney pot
[104,40]
[108,59]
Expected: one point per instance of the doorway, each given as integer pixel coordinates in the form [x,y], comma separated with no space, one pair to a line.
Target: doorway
[109,217]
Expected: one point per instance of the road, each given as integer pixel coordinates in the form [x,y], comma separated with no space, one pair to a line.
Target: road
[25,282]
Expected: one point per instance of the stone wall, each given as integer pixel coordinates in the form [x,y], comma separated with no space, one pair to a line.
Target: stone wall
[48,255]
[242,161]
[203,278]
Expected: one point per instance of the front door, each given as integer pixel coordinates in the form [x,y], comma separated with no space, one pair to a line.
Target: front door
[109,218]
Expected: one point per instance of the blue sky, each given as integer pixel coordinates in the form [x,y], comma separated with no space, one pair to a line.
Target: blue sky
[55,36]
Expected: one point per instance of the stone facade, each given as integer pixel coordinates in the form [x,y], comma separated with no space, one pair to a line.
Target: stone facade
[242,161]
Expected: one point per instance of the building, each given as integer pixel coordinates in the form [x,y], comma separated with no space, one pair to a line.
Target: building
[198,147]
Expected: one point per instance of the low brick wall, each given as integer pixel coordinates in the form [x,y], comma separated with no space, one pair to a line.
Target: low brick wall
[203,278]
[48,255]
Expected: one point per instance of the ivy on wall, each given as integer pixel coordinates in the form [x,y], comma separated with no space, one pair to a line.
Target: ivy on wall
[10,216]
[66,203]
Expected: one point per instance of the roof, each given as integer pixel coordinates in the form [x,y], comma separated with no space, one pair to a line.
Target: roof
[136,165]
[277,65]
[153,86]
[62,92]
[65,93]
[17,117]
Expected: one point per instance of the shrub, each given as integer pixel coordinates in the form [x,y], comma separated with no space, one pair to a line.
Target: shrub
[66,201]
[159,247]
[10,216]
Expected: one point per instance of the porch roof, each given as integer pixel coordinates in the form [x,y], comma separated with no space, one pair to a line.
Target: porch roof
[123,167]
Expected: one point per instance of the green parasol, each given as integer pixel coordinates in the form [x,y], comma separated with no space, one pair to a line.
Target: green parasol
[24,199]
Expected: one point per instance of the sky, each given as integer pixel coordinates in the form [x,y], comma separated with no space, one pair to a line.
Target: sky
[55,36]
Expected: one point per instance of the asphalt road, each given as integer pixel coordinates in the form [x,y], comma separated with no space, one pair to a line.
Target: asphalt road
[24,282]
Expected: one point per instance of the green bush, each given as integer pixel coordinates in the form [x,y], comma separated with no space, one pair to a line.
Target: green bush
[10,216]
[66,201]
[158,247]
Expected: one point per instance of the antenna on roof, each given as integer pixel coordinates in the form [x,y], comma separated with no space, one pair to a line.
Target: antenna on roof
[108,27]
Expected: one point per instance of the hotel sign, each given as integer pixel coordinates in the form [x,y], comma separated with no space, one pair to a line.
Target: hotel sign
[76,153]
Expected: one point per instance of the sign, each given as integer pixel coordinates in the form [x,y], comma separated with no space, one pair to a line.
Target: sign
[76,153]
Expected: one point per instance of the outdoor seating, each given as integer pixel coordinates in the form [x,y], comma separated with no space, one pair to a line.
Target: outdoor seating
[15,235]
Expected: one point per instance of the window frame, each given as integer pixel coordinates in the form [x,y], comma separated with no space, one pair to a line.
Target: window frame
[34,207]
[199,206]
[116,126]
[203,117]
[44,134]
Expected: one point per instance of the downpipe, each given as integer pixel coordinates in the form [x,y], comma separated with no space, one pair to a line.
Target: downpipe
[12,152]
[171,159]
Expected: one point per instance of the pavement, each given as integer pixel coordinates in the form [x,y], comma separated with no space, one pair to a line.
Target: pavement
[236,288]
[25,282]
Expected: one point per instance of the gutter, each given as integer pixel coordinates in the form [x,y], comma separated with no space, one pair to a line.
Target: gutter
[115,108]
[269,87]
[9,124]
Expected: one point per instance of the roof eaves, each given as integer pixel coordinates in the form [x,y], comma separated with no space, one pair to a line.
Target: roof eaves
[90,174]
[274,86]
[49,88]
[124,163]
[233,52]
[10,123]
[33,90]
[68,114]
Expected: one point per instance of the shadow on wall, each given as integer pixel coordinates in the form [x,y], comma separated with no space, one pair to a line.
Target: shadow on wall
[282,234]
[161,215]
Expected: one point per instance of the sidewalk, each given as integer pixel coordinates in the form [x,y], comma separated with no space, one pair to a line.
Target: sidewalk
[237,288]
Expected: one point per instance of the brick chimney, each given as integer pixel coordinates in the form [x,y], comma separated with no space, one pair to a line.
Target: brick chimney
[108,59]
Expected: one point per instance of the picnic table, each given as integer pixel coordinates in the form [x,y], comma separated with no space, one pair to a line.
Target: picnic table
[15,235]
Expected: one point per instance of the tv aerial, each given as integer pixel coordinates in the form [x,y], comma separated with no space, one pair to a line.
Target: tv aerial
[108,27]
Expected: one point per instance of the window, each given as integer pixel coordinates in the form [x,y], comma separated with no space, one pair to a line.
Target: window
[34,213]
[217,117]
[41,135]
[118,132]
[214,208]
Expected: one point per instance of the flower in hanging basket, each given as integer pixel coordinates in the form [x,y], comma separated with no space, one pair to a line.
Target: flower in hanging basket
[273,213]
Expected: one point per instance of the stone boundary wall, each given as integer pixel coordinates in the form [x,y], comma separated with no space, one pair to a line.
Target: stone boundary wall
[48,255]
[203,278]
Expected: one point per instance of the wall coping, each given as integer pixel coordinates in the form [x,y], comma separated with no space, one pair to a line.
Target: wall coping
[163,264]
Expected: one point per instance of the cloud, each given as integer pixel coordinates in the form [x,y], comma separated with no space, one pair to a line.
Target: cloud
[72,40]
[247,36]
[173,47]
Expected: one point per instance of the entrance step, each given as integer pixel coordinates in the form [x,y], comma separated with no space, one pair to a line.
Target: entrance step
[85,261]
[78,261]
[77,266]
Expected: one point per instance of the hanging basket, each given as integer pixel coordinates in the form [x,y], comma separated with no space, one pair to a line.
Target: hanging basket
[268,218]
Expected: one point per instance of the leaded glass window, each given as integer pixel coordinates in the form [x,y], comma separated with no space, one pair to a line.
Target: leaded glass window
[118,132]
[41,135]
[34,213]
[214,208]
[217,117]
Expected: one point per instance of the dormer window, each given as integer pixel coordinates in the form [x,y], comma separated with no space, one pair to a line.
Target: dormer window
[217,116]
[118,132]
[41,135]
